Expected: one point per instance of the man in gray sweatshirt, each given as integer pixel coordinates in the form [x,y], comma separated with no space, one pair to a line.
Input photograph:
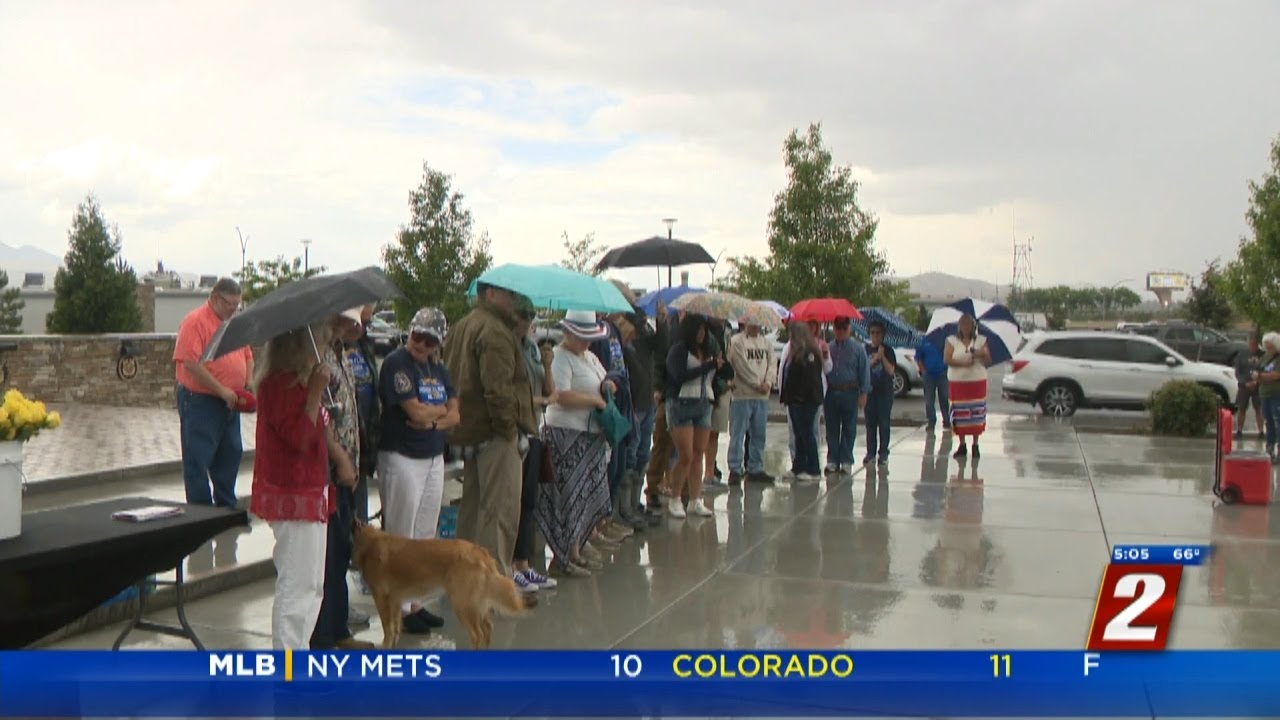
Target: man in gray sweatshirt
[751,356]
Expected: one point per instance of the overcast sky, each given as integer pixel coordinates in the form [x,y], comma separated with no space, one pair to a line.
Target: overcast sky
[1120,135]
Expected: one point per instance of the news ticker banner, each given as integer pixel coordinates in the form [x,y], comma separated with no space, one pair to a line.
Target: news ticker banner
[618,684]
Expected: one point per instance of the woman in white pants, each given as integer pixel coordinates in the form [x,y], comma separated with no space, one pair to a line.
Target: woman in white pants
[418,405]
[291,489]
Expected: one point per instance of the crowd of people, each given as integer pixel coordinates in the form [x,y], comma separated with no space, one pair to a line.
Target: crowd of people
[1258,376]
[586,443]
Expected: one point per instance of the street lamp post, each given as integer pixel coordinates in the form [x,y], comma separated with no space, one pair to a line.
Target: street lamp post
[671,222]
[244,251]
[306,257]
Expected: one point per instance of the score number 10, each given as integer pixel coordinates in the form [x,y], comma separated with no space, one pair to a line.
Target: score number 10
[626,665]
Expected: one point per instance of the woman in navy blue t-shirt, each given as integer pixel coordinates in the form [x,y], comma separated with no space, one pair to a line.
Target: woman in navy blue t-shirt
[418,405]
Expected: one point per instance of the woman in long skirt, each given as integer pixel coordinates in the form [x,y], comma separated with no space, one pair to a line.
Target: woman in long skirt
[576,497]
[967,357]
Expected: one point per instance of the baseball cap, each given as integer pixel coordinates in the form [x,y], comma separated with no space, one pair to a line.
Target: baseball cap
[430,321]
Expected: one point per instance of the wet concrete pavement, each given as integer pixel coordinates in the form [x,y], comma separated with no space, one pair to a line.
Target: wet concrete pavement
[928,552]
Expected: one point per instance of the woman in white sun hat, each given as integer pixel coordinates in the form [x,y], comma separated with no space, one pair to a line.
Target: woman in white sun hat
[576,497]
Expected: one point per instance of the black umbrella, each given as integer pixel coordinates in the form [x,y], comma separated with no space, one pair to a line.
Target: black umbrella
[301,303]
[656,251]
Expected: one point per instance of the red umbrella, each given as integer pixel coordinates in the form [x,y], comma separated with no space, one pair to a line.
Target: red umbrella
[824,310]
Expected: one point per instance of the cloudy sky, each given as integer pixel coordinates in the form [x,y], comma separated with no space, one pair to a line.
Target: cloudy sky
[1119,135]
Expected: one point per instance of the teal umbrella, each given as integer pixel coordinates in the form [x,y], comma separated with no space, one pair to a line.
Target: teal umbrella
[556,288]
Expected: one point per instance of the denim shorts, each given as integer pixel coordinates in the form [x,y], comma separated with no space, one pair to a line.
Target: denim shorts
[689,413]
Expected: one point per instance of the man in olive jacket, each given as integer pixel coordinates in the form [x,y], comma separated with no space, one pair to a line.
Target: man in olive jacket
[496,405]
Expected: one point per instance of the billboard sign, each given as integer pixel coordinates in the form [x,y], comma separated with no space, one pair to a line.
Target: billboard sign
[1167,281]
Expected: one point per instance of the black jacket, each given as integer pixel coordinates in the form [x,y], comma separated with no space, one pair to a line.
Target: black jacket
[371,430]
[802,384]
[661,346]
[679,373]
[641,354]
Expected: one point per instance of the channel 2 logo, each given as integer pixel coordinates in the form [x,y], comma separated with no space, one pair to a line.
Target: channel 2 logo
[1138,596]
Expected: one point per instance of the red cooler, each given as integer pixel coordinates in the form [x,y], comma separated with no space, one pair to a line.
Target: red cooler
[1242,476]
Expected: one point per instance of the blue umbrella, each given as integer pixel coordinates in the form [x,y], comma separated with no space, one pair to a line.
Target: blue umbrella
[995,323]
[898,333]
[556,288]
[649,301]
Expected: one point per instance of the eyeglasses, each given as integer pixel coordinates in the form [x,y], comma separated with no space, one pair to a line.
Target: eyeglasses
[232,304]
[424,338]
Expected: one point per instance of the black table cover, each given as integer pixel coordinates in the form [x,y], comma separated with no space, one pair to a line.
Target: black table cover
[69,561]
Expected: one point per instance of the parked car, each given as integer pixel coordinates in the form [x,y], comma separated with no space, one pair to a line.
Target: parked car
[547,332]
[1194,341]
[907,375]
[385,337]
[1063,372]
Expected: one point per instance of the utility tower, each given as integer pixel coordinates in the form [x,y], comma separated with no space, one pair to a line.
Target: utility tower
[1021,267]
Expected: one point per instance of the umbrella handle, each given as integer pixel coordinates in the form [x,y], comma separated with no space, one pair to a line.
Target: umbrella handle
[316,349]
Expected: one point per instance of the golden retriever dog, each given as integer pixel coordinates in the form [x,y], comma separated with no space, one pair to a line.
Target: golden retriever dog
[397,569]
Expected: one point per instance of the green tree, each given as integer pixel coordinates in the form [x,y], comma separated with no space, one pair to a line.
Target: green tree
[821,242]
[923,318]
[11,306]
[1207,303]
[582,255]
[438,254]
[261,277]
[95,290]
[1251,278]
[1122,299]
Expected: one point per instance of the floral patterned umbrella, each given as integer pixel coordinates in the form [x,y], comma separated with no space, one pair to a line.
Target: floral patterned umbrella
[762,315]
[726,306]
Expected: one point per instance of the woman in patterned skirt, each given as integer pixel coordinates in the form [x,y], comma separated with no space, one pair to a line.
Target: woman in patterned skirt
[967,357]
[576,497]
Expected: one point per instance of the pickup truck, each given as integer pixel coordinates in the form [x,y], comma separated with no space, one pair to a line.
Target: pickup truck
[1194,342]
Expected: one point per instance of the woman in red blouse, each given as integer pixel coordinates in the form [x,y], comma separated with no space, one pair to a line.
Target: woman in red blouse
[291,488]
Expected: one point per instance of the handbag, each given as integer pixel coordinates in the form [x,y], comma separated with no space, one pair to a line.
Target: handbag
[612,422]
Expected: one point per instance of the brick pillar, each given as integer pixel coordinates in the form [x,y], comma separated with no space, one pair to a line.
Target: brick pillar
[146,296]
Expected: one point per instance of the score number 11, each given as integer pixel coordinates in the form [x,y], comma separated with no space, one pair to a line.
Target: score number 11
[1001,665]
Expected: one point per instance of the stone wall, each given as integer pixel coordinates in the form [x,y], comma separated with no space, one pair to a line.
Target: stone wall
[91,368]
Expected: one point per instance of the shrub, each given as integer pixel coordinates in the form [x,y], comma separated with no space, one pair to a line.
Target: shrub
[1183,407]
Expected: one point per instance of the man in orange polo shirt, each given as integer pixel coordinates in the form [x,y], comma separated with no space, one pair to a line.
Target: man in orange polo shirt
[207,401]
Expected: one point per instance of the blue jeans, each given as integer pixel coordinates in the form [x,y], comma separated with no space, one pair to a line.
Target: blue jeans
[842,425]
[747,417]
[936,394]
[638,452]
[211,448]
[806,460]
[879,406]
[331,625]
[526,531]
[1271,414]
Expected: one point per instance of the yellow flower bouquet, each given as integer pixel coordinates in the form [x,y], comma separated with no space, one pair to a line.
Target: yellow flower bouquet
[22,418]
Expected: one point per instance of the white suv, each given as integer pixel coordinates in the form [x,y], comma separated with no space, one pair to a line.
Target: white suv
[1065,371]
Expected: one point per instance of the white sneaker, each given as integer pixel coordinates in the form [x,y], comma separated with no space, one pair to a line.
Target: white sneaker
[696,507]
[675,509]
